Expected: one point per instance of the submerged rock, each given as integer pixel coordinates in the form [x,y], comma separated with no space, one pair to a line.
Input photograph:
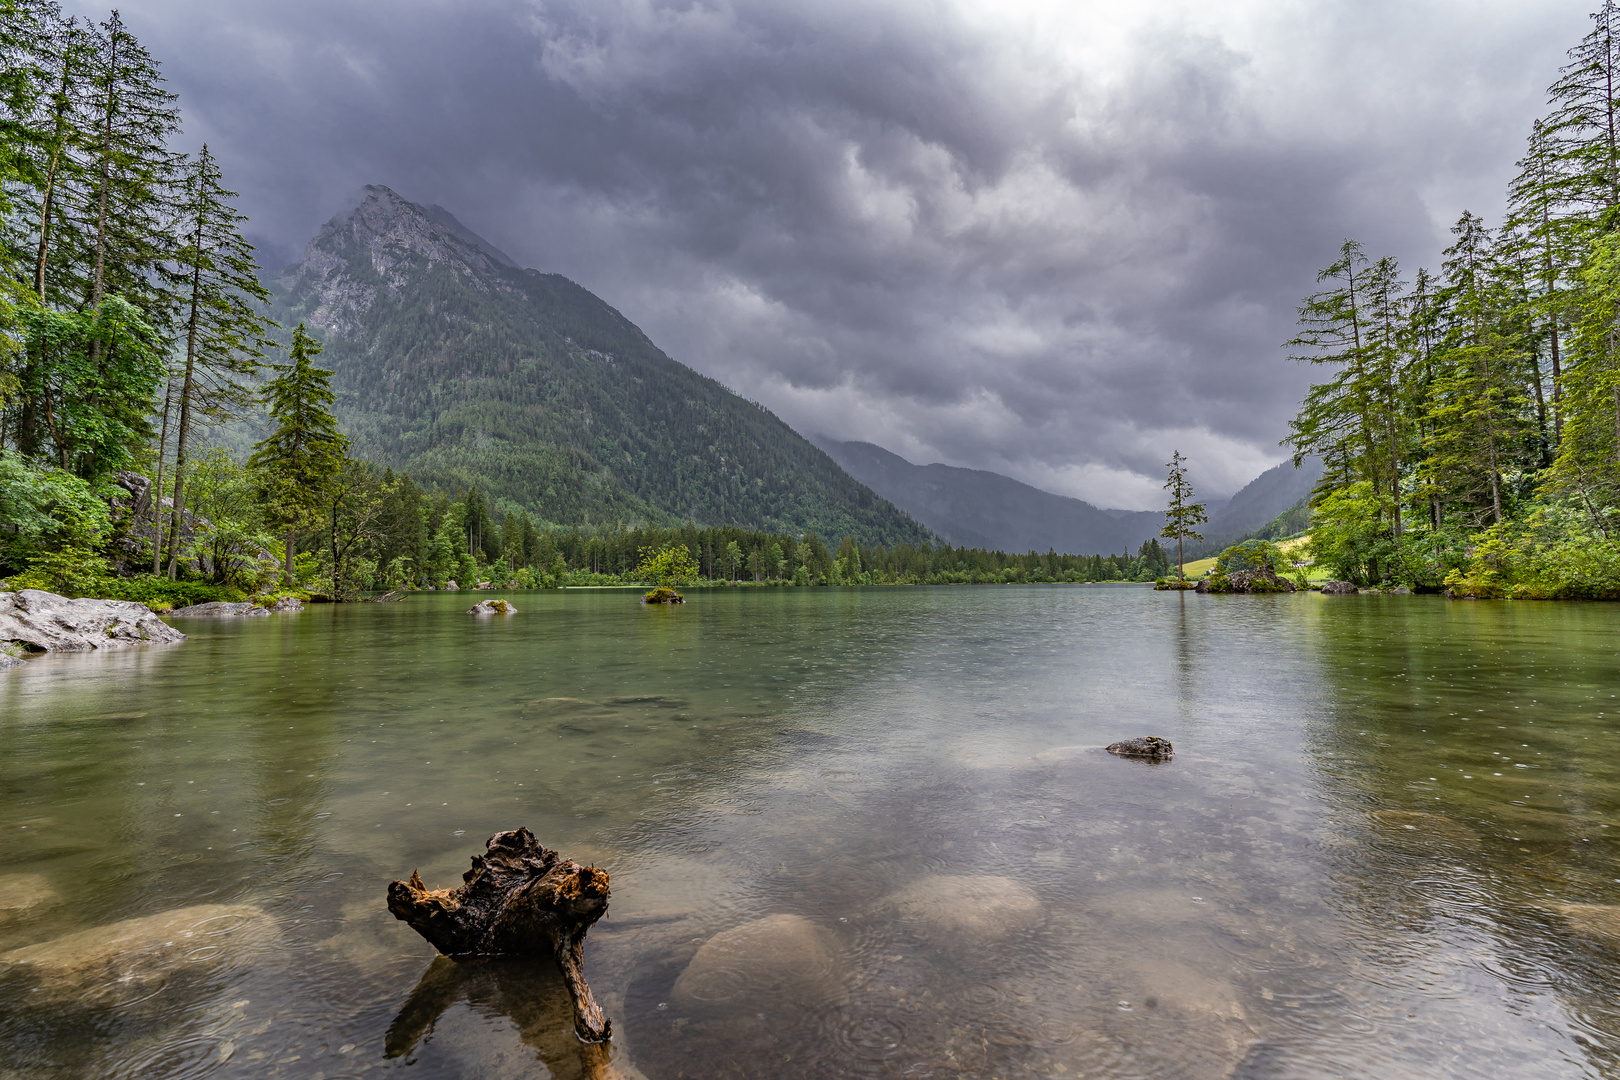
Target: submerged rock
[780,959]
[1338,588]
[1425,825]
[21,892]
[123,957]
[44,622]
[957,911]
[492,607]
[1600,921]
[1151,747]
[216,609]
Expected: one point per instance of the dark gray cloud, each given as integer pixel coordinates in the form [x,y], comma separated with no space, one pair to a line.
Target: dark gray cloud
[1053,240]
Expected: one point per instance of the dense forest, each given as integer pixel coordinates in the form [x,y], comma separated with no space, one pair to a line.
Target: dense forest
[133,321]
[1470,423]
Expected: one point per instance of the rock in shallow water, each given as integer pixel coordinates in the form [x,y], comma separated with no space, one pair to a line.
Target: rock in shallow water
[955,911]
[492,607]
[217,609]
[1151,747]
[1600,921]
[780,960]
[21,892]
[44,622]
[124,956]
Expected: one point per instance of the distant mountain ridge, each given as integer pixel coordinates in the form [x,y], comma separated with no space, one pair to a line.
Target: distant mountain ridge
[458,366]
[976,508]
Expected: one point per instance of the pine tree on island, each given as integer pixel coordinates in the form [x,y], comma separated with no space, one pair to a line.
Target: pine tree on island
[301,457]
[1182,516]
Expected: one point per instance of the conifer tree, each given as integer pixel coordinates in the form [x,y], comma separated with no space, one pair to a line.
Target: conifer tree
[224,333]
[1183,516]
[1583,128]
[300,457]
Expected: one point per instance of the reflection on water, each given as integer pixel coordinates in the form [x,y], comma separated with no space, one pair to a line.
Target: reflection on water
[851,833]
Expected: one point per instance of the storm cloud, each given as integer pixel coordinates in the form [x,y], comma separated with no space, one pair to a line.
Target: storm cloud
[1054,241]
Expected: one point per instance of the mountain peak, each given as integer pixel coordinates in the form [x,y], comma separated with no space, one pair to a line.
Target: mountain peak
[379,244]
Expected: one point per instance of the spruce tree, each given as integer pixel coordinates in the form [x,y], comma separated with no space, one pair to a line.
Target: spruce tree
[1182,516]
[298,460]
[224,332]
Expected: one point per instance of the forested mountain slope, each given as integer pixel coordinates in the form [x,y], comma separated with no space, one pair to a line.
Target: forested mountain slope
[986,509]
[456,365]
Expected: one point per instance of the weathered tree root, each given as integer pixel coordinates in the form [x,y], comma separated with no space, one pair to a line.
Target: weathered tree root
[519,899]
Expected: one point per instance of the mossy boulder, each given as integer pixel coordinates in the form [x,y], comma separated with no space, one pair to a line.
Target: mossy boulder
[663,595]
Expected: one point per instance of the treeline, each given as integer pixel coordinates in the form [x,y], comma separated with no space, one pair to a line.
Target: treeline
[1471,422]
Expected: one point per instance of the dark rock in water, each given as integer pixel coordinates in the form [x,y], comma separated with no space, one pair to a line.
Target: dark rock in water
[216,609]
[1338,588]
[663,595]
[1151,747]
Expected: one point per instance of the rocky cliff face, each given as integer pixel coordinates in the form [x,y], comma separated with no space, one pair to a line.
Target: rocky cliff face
[383,244]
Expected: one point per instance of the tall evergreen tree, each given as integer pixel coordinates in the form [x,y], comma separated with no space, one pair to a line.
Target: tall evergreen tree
[1182,516]
[300,457]
[225,334]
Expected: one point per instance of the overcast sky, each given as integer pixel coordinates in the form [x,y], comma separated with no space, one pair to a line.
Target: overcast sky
[1054,240]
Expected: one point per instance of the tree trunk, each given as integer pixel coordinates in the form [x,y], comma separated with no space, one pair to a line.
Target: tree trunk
[519,899]
[157,488]
[178,509]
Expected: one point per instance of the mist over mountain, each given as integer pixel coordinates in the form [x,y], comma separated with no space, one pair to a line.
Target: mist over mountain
[985,509]
[456,365]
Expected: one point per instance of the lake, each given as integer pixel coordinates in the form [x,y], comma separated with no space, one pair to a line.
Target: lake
[851,832]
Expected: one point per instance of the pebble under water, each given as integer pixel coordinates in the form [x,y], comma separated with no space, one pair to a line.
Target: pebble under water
[851,832]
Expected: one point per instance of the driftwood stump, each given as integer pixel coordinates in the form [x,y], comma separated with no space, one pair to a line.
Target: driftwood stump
[519,899]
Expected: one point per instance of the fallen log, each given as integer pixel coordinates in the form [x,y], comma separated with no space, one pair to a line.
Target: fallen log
[519,899]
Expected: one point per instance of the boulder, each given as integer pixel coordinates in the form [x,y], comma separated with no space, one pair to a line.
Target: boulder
[482,585]
[44,622]
[217,609]
[123,958]
[1338,588]
[492,607]
[964,911]
[783,960]
[1151,747]
[287,604]
[451,586]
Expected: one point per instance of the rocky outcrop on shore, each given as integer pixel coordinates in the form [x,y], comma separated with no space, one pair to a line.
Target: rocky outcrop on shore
[33,621]
[217,609]
[1339,588]
[1262,580]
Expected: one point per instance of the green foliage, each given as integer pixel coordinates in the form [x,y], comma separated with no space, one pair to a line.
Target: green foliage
[671,564]
[44,511]
[1252,555]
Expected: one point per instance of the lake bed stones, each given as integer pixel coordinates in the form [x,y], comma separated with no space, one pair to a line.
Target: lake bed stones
[1597,921]
[777,960]
[23,893]
[1151,748]
[120,959]
[952,912]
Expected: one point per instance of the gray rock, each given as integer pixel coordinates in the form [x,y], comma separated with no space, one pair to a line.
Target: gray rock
[217,609]
[780,959]
[1150,747]
[451,586]
[492,607]
[125,959]
[1338,588]
[964,911]
[44,622]
[1400,591]
[287,604]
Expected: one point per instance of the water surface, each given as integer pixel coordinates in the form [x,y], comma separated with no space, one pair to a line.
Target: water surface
[1382,849]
